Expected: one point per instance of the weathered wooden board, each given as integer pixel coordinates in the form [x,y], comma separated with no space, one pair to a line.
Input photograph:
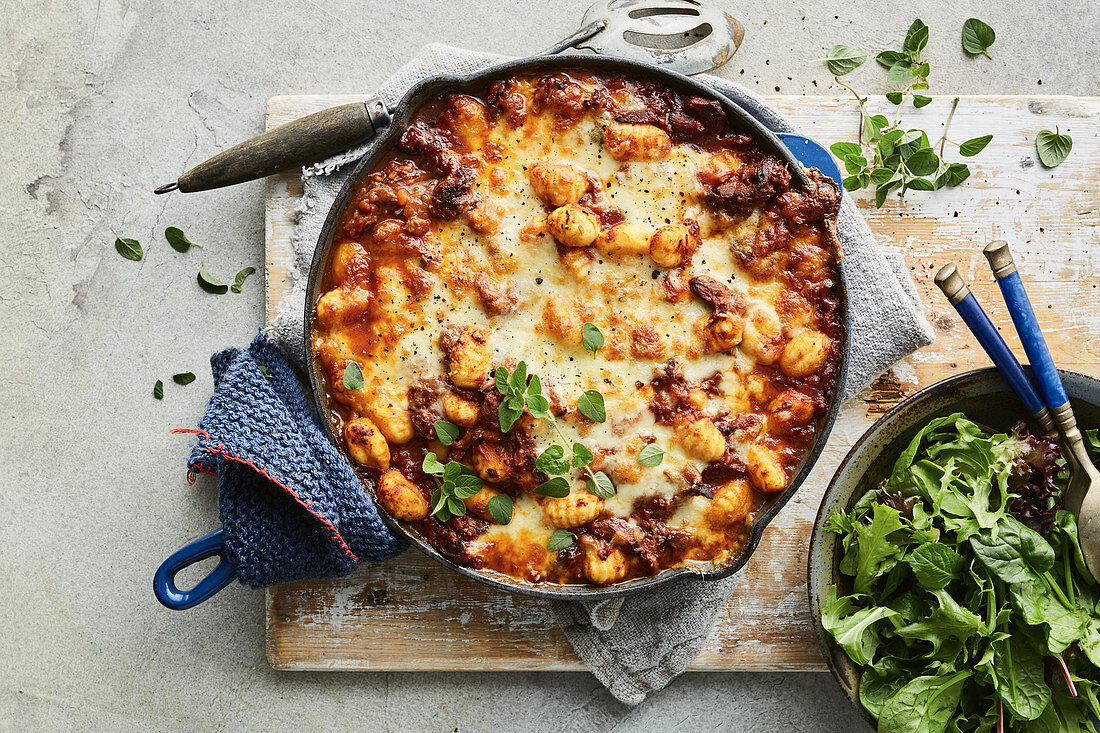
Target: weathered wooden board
[412,614]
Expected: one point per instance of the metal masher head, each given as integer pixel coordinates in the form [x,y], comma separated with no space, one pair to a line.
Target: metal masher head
[688,36]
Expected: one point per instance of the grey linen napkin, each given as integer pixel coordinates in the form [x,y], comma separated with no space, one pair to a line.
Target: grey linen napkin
[639,644]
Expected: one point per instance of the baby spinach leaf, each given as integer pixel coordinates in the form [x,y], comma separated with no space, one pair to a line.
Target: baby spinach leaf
[879,683]
[924,705]
[500,509]
[977,37]
[935,565]
[1018,677]
[1015,554]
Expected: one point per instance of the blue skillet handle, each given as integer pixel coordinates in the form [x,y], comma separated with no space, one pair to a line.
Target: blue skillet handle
[956,290]
[164,580]
[1027,326]
[812,155]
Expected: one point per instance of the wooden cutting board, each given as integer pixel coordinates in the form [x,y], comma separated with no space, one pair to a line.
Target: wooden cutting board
[412,614]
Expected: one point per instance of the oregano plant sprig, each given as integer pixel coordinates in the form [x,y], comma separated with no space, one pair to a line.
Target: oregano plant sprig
[454,482]
[889,157]
[520,391]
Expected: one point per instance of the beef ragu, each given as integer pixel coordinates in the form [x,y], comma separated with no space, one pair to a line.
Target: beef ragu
[502,224]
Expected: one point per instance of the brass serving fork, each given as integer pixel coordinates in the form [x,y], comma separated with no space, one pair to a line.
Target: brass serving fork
[1083,493]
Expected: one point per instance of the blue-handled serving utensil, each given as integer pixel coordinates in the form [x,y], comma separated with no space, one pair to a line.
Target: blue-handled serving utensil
[1049,405]
[1083,492]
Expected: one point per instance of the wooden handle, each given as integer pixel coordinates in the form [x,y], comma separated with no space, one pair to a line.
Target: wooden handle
[301,142]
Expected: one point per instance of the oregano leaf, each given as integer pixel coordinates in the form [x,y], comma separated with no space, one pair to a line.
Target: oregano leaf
[1052,147]
[209,283]
[447,432]
[591,337]
[651,455]
[500,509]
[158,390]
[601,485]
[974,145]
[842,59]
[183,377]
[977,37]
[555,488]
[353,376]
[128,248]
[591,406]
[561,539]
[178,241]
[238,282]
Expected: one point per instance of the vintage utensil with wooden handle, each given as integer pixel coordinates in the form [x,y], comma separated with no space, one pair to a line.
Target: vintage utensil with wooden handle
[685,36]
[1083,493]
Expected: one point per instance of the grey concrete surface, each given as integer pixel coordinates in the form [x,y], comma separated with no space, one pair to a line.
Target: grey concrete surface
[100,102]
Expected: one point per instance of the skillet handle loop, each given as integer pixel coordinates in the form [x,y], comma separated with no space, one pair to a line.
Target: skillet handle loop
[164,580]
[301,142]
[812,154]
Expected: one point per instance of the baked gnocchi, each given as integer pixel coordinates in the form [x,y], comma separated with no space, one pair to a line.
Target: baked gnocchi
[615,238]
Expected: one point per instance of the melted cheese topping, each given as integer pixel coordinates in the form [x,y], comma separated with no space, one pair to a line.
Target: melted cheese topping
[548,292]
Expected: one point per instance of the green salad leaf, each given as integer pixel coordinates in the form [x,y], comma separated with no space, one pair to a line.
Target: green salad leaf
[962,590]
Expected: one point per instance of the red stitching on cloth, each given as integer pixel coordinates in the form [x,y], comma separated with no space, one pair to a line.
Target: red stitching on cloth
[220,450]
[203,433]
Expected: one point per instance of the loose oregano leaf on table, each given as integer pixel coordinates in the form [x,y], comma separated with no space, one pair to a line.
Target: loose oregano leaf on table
[561,539]
[238,282]
[1052,147]
[128,248]
[158,390]
[977,37]
[975,145]
[209,283]
[178,241]
[183,377]
[353,376]
[842,59]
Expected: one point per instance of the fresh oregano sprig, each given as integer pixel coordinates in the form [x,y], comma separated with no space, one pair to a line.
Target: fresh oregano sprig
[521,390]
[888,157]
[454,482]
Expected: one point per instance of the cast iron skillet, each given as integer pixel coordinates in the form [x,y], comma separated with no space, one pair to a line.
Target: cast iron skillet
[738,121]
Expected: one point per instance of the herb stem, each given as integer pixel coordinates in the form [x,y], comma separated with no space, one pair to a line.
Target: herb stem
[950,115]
[859,101]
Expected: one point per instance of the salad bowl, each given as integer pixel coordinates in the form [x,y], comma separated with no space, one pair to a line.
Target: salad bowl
[981,395]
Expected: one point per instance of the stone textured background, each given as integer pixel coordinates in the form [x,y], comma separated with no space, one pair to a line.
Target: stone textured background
[102,101]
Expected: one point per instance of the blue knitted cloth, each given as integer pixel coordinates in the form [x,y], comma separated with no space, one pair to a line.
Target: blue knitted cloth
[290,504]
